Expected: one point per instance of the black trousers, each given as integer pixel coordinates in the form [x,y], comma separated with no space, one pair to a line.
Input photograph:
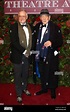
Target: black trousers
[21,75]
[34,69]
[47,75]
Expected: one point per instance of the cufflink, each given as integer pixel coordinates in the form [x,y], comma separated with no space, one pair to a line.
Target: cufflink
[46,62]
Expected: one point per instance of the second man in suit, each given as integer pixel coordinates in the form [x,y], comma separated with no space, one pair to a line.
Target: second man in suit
[49,39]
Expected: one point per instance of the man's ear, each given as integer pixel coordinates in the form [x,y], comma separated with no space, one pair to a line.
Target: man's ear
[49,17]
[27,16]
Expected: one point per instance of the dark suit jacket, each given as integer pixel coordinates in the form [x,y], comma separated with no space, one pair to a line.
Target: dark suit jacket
[55,35]
[16,48]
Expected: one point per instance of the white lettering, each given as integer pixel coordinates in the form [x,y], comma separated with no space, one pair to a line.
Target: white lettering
[59,10]
[8,3]
[39,3]
[65,4]
[16,4]
[8,108]
[47,3]
[31,4]
[54,4]
[25,4]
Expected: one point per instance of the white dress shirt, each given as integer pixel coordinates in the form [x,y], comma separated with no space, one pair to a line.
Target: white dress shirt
[26,33]
[43,31]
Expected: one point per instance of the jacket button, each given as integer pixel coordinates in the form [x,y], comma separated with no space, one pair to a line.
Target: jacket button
[46,62]
[22,41]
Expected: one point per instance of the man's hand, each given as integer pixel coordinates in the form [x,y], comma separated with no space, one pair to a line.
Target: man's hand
[47,43]
[26,55]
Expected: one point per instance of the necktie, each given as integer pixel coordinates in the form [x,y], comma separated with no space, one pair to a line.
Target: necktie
[24,25]
[44,25]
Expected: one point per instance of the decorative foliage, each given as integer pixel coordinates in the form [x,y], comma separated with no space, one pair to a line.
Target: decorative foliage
[6,67]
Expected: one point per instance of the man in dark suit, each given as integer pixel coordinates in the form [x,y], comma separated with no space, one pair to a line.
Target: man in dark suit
[21,42]
[49,39]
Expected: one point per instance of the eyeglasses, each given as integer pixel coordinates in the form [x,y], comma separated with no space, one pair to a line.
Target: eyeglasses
[22,16]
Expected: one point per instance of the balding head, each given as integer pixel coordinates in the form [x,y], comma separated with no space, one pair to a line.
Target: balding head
[22,16]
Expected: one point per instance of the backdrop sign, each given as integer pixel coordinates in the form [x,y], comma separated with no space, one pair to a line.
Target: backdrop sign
[35,6]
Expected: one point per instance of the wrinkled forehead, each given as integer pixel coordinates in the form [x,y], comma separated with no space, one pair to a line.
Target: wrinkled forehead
[22,13]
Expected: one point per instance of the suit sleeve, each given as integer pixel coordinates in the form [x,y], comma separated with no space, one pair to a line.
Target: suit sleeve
[15,39]
[56,39]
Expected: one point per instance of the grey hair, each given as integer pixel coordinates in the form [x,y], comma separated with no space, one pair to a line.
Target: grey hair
[22,10]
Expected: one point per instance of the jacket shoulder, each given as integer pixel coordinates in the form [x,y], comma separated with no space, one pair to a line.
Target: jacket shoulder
[55,27]
[14,25]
